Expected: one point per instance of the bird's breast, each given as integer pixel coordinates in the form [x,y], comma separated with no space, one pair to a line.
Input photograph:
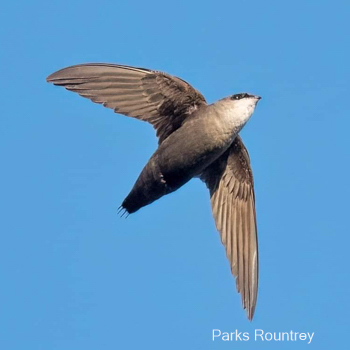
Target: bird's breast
[193,147]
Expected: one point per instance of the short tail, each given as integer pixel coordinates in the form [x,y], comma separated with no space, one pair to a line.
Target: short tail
[149,187]
[122,211]
[133,202]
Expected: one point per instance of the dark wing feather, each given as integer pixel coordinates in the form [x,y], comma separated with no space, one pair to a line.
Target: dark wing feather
[158,98]
[231,186]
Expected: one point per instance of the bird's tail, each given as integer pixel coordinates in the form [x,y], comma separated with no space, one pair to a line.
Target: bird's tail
[149,187]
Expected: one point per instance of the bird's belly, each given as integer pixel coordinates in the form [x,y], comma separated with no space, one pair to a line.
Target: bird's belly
[186,156]
[179,158]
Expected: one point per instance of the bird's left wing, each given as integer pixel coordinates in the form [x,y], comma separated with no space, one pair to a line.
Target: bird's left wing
[155,97]
[230,182]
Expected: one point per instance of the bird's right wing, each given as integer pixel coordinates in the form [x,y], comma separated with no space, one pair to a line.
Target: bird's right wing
[155,97]
[230,182]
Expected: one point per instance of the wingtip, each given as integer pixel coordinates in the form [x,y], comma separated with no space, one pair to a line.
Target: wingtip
[52,77]
[250,315]
[250,312]
[58,74]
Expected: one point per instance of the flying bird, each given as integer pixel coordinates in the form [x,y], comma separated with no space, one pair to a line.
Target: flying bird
[195,139]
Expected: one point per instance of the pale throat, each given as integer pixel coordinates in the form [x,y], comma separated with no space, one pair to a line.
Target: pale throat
[238,115]
[242,114]
[231,118]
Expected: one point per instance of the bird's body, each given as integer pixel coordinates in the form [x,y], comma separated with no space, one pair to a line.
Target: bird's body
[203,138]
[195,140]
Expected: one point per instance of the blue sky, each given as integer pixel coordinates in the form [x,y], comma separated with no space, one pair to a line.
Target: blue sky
[76,276]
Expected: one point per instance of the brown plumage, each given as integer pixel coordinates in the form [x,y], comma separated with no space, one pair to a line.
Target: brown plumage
[195,140]
[151,96]
[230,182]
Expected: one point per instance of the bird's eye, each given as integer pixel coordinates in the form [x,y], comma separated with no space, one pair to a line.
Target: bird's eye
[239,96]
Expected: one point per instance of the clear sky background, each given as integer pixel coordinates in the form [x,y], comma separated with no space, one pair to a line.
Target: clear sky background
[76,276]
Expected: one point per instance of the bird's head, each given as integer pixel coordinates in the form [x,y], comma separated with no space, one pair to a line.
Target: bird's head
[239,107]
[244,100]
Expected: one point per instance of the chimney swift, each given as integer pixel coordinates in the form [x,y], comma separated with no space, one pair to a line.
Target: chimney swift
[196,139]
